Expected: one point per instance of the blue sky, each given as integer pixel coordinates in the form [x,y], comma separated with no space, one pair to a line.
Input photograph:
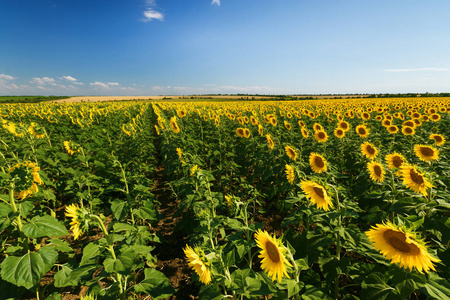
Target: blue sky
[167,47]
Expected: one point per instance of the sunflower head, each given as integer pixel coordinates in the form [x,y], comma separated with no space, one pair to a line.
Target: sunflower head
[426,153]
[240,132]
[414,179]
[362,131]
[369,150]
[439,139]
[290,173]
[395,160]
[344,126]
[305,133]
[273,257]
[270,141]
[339,133]
[407,130]
[287,125]
[317,162]
[290,152]
[26,178]
[401,246]
[321,136]
[71,147]
[79,219]
[199,263]
[174,124]
[376,171]
[317,194]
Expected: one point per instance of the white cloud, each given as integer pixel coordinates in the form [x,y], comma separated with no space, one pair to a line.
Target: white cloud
[69,78]
[113,83]
[151,14]
[417,69]
[99,84]
[43,81]
[216,2]
[6,77]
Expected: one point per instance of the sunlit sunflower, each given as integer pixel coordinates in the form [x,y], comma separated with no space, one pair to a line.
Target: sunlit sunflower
[193,170]
[414,179]
[291,152]
[362,131]
[287,125]
[321,136]
[240,132]
[246,133]
[270,141]
[305,133]
[290,174]
[392,129]
[376,171]
[426,153]
[174,125]
[26,179]
[438,139]
[317,127]
[401,246]
[317,162]
[73,212]
[199,263]
[70,147]
[369,150]
[272,253]
[339,133]
[406,130]
[395,160]
[435,117]
[301,123]
[317,194]
[180,155]
[386,122]
[344,126]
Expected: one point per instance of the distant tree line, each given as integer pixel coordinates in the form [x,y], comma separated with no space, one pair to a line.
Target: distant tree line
[29,99]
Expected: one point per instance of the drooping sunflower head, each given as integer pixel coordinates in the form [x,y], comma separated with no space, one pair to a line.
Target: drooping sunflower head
[438,139]
[362,131]
[290,152]
[180,155]
[395,160]
[290,173]
[194,170]
[199,263]
[369,150]
[77,215]
[270,141]
[401,246]
[71,147]
[321,136]
[317,194]
[376,171]
[273,257]
[174,124]
[414,179]
[317,162]
[26,178]
[426,153]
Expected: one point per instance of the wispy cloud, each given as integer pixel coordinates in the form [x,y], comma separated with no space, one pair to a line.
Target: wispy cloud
[107,85]
[6,77]
[150,13]
[216,2]
[417,70]
[43,81]
[72,80]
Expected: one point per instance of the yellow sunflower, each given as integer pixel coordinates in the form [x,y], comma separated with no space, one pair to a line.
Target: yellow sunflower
[305,133]
[240,132]
[369,150]
[73,212]
[273,255]
[401,246]
[246,133]
[438,139]
[193,170]
[270,141]
[376,171]
[414,179]
[290,174]
[317,162]
[426,153]
[287,125]
[395,160]
[317,194]
[180,155]
[362,131]
[174,125]
[407,130]
[198,262]
[70,147]
[291,152]
[26,178]
[392,129]
[339,133]
[317,127]
[321,136]
[344,126]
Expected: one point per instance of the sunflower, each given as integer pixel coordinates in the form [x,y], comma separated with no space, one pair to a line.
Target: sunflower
[365,115]
[73,212]
[392,129]
[287,125]
[321,136]
[240,132]
[395,160]
[376,171]
[174,125]
[344,125]
[438,139]
[435,117]
[317,127]
[369,150]
[291,152]
[401,246]
[386,122]
[407,130]
[362,131]
[26,178]
[272,254]
[270,141]
[70,147]
[198,262]
[317,162]
[193,170]
[414,179]
[246,133]
[317,194]
[339,133]
[157,129]
[305,133]
[426,153]
[180,155]
[290,174]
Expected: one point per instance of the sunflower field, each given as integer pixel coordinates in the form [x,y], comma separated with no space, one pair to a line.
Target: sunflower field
[323,199]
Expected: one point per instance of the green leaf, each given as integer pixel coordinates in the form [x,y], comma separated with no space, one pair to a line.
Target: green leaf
[294,287]
[313,293]
[44,226]
[63,278]
[90,253]
[121,264]
[147,212]
[28,270]
[61,245]
[10,291]
[211,291]
[119,209]
[155,284]
[375,291]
